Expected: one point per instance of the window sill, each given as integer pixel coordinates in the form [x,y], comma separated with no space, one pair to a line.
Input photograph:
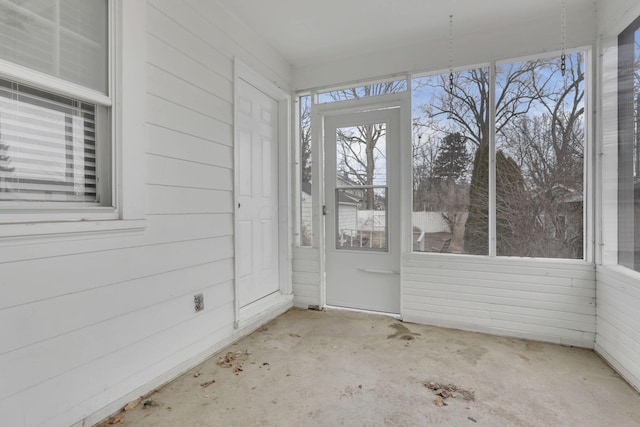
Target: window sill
[40,232]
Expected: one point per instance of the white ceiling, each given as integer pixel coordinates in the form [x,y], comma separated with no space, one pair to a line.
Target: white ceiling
[307,32]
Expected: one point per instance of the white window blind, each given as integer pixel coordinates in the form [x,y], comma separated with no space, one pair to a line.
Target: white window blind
[47,146]
[63,38]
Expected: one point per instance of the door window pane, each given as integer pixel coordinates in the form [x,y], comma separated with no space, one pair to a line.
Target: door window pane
[361,181]
[361,218]
[361,155]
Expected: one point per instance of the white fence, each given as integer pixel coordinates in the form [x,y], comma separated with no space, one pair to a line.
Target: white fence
[429,222]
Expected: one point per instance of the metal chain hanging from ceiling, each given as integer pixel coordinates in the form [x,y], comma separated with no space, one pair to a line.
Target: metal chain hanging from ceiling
[450,65]
[563,36]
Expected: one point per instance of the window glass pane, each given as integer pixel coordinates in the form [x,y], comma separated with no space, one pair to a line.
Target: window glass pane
[47,146]
[66,39]
[361,196]
[629,149]
[361,218]
[362,91]
[450,163]
[361,155]
[306,209]
[540,158]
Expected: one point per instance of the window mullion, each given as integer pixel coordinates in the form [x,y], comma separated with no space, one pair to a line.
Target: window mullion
[492,160]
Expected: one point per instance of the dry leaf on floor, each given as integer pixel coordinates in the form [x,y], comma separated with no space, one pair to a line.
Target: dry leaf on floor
[196,375]
[131,405]
[115,420]
[294,335]
[207,383]
[438,401]
[233,360]
[444,394]
[449,390]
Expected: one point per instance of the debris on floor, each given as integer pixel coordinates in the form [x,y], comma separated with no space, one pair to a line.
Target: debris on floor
[402,332]
[443,392]
[115,420]
[133,404]
[207,383]
[149,403]
[233,359]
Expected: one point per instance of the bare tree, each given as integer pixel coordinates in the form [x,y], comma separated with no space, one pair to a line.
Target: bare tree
[467,106]
[549,149]
[305,138]
[424,152]
[540,134]
[306,226]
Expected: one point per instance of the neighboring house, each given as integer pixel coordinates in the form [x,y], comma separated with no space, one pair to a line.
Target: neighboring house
[348,205]
[306,214]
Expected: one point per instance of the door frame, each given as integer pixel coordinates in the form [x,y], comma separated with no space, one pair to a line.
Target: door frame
[363,278]
[400,100]
[248,314]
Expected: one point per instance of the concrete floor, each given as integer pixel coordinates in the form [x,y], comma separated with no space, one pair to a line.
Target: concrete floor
[340,368]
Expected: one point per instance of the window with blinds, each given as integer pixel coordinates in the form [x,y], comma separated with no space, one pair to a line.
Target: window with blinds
[47,146]
[63,38]
[54,145]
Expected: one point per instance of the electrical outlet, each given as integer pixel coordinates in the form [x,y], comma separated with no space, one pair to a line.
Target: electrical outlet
[198,302]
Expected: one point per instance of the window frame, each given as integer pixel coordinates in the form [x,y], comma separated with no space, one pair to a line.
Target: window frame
[588,176]
[625,146]
[125,135]
[588,222]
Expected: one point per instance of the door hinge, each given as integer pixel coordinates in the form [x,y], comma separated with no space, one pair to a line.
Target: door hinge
[324,209]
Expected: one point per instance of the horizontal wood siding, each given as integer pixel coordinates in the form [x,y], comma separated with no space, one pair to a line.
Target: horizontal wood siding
[618,337]
[88,322]
[547,300]
[306,277]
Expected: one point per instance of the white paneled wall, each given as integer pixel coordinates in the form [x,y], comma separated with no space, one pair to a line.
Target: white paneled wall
[547,300]
[89,323]
[306,277]
[618,338]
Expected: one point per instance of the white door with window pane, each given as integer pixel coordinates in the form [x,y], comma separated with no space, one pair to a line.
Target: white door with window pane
[257,186]
[362,196]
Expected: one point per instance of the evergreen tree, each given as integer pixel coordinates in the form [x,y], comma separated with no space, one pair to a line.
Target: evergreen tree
[453,158]
[476,230]
[511,206]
